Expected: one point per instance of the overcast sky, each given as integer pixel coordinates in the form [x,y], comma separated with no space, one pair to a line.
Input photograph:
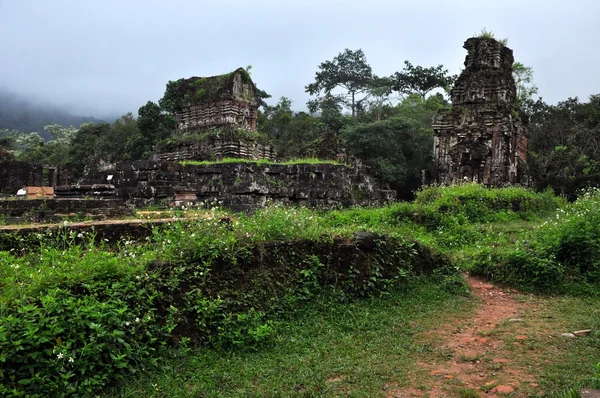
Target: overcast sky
[111,56]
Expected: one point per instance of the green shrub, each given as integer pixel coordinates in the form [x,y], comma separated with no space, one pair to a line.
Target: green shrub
[74,339]
[562,251]
[480,204]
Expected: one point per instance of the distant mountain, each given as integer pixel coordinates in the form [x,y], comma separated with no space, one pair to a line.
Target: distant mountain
[18,113]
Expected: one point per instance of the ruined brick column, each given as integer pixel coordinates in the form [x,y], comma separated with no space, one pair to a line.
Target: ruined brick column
[483,137]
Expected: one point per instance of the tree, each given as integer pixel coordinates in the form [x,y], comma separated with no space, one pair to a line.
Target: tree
[380,92]
[523,76]
[7,143]
[397,149]
[275,119]
[153,126]
[87,144]
[564,145]
[299,135]
[421,81]
[348,71]
[30,147]
[113,145]
[8,139]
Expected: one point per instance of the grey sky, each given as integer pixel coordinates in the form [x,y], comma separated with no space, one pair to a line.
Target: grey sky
[111,56]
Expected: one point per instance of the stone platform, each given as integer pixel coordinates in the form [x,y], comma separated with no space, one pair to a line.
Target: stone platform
[56,209]
[243,186]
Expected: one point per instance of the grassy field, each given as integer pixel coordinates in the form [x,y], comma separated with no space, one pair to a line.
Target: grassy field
[369,348]
[330,349]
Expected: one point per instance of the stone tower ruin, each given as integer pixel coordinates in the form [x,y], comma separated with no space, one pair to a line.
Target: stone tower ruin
[483,137]
[224,101]
[216,118]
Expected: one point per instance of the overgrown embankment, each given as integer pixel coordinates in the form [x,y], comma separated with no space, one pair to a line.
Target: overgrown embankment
[77,314]
[560,255]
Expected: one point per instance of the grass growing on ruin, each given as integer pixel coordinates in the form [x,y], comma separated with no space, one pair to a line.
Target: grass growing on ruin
[76,313]
[264,162]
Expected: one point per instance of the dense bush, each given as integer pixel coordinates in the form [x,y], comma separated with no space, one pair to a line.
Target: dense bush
[479,204]
[563,250]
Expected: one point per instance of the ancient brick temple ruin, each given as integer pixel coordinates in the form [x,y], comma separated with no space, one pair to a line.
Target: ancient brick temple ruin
[228,100]
[483,137]
[223,111]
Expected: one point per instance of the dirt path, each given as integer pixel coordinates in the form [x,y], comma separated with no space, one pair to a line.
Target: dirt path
[474,357]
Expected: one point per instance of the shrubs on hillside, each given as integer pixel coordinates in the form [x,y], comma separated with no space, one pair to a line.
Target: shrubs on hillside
[76,315]
[564,250]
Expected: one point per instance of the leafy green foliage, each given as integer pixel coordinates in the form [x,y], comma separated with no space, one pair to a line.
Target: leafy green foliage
[77,147]
[563,145]
[76,314]
[396,148]
[152,127]
[421,81]
[172,100]
[348,71]
[525,88]
[299,135]
[561,252]
[478,204]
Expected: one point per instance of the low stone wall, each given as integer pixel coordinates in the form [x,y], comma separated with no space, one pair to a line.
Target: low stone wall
[243,186]
[48,210]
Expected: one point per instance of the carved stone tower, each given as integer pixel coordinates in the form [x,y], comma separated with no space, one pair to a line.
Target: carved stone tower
[483,137]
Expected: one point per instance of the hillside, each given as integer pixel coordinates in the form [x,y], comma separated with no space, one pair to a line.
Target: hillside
[25,115]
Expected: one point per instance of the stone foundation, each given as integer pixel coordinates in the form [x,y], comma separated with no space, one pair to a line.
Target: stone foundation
[49,210]
[244,186]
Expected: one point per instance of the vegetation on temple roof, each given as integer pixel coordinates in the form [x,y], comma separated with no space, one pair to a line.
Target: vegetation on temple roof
[204,90]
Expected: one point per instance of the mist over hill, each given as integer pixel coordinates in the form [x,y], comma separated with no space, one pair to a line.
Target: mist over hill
[26,115]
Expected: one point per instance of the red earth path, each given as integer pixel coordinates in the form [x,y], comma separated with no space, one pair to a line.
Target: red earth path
[478,361]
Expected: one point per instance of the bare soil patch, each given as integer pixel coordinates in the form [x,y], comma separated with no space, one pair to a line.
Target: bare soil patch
[473,356]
